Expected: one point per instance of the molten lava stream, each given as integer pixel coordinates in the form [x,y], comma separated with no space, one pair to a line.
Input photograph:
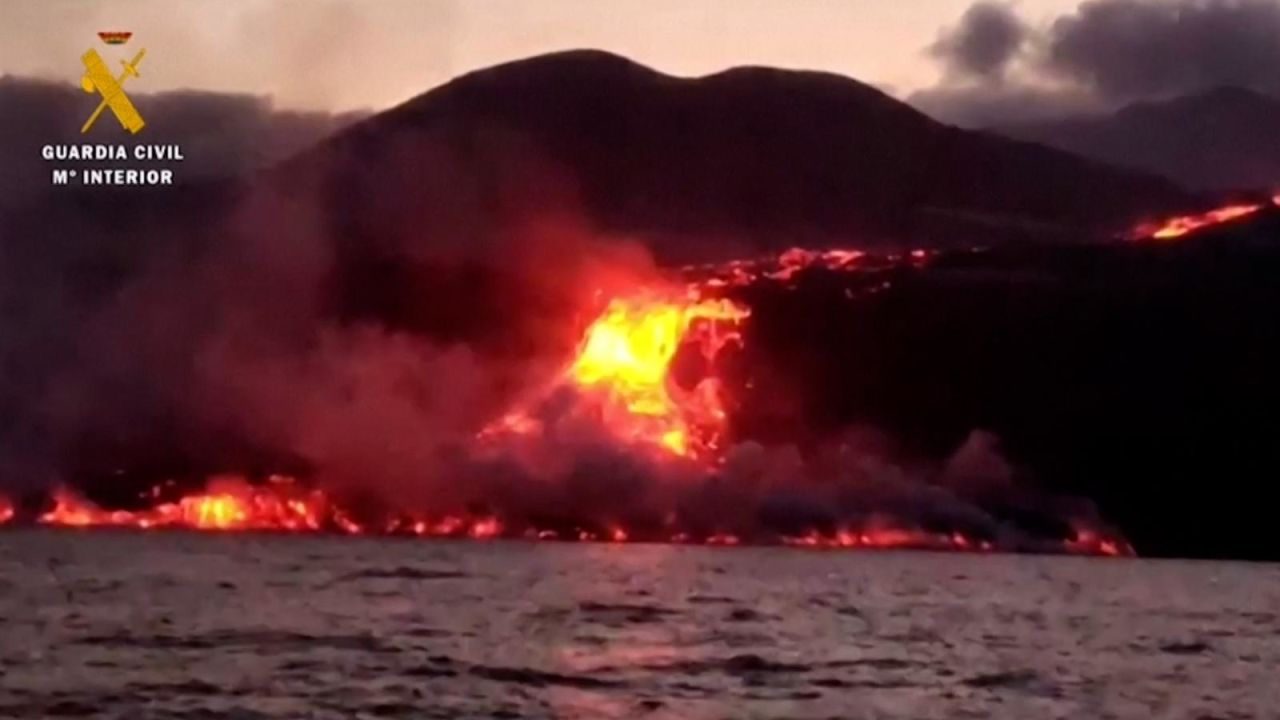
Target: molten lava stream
[626,356]
[229,503]
[622,370]
[282,505]
[1176,227]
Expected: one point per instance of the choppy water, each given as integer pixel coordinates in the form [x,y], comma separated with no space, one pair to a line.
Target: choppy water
[119,625]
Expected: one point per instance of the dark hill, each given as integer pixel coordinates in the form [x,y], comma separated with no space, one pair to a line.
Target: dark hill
[754,157]
[1139,375]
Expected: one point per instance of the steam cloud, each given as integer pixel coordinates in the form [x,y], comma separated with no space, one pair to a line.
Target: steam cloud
[1105,54]
[1126,49]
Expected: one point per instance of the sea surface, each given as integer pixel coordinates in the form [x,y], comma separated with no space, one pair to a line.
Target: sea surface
[182,625]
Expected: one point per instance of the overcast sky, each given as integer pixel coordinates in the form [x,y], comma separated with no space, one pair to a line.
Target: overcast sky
[351,54]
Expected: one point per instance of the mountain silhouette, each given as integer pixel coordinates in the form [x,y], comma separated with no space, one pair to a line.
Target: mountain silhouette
[1224,139]
[749,159]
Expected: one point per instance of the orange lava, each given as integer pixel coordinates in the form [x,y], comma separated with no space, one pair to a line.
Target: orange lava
[782,267]
[1088,541]
[621,375]
[1178,226]
[283,505]
[449,526]
[622,370]
[889,538]
[227,503]
[625,357]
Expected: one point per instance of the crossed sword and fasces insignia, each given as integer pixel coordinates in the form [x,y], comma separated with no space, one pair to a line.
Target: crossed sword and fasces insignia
[97,77]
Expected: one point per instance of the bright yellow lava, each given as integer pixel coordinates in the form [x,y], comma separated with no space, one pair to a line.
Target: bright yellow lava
[626,354]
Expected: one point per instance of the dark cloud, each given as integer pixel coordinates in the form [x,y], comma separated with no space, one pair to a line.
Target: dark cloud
[1105,54]
[1127,49]
[989,36]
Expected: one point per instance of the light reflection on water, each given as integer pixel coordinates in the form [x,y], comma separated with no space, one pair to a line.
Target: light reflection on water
[120,625]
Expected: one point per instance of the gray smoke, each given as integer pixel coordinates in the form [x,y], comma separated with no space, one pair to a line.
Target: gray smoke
[988,37]
[1129,49]
[1105,54]
[982,105]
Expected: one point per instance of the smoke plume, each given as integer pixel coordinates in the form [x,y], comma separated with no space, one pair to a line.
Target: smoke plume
[1105,54]
[988,37]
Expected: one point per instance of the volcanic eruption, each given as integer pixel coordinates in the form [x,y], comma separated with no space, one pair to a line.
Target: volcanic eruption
[408,330]
[624,363]
[670,437]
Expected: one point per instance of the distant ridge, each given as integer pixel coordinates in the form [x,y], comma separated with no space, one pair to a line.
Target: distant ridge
[1223,139]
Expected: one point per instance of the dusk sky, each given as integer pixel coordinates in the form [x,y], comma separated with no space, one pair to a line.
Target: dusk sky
[347,54]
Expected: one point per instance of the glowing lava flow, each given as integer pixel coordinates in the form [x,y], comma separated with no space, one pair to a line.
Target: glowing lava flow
[626,357]
[889,538]
[283,505]
[6,510]
[782,267]
[1088,541]
[226,504]
[1180,225]
[621,372]
[620,377]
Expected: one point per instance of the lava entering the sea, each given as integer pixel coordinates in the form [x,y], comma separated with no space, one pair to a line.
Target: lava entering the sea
[283,504]
[227,503]
[621,379]
[622,368]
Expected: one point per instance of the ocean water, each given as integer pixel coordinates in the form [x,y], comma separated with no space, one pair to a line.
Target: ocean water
[182,625]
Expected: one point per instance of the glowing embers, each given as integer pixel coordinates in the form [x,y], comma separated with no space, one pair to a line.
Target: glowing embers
[1178,226]
[1088,541]
[889,538]
[228,503]
[482,527]
[781,268]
